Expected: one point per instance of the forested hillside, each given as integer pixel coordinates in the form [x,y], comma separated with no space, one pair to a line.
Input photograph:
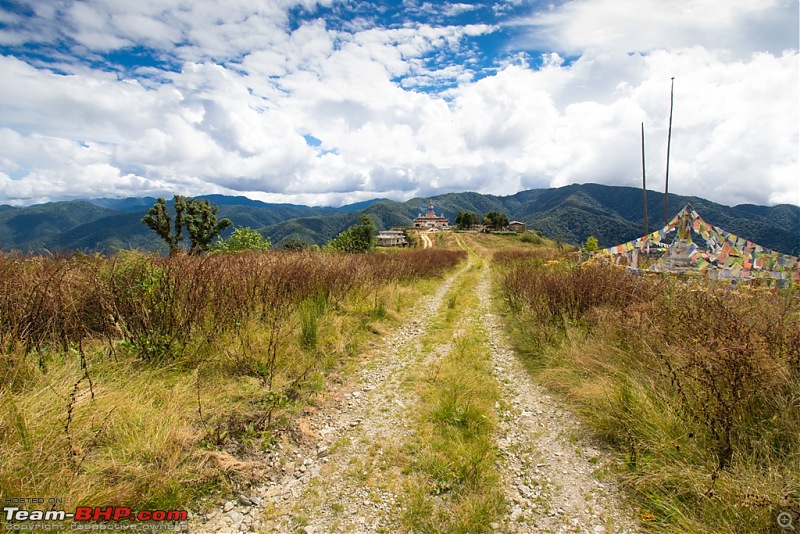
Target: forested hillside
[569,214]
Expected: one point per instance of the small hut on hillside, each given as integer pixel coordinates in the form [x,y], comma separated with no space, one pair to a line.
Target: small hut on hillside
[516,226]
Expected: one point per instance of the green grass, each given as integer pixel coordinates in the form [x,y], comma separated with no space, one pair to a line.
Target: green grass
[452,484]
[130,443]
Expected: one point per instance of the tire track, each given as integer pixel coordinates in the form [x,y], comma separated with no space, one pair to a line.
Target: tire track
[552,473]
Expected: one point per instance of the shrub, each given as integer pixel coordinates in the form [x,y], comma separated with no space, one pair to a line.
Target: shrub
[241,239]
[158,305]
[358,238]
[532,238]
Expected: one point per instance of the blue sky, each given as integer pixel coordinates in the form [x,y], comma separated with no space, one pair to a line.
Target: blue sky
[328,102]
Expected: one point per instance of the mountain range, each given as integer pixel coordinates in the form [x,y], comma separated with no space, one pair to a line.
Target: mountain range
[569,214]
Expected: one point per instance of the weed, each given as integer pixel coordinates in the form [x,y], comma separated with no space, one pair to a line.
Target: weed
[380,310]
[308,326]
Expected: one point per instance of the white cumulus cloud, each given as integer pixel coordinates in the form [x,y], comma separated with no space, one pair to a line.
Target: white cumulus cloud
[229,92]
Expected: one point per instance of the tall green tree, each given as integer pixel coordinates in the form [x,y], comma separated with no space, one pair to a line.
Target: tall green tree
[591,244]
[495,220]
[465,219]
[202,224]
[159,220]
[358,238]
[198,217]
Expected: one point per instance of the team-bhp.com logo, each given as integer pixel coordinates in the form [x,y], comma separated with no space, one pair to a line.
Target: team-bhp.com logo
[95,518]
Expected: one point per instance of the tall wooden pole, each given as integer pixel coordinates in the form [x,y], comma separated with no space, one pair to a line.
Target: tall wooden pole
[669,143]
[644,185]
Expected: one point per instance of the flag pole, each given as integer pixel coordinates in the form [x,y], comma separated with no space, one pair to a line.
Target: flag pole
[644,185]
[669,143]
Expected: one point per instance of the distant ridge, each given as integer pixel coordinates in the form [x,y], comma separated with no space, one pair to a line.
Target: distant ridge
[613,214]
[123,204]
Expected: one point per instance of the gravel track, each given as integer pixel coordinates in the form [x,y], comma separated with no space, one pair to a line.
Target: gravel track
[549,466]
[337,474]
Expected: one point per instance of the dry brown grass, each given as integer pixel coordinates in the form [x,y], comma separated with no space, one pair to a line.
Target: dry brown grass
[146,381]
[695,383]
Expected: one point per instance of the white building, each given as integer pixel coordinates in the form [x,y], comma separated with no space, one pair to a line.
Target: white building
[392,238]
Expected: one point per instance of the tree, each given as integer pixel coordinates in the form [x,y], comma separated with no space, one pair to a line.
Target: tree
[202,224]
[198,217]
[241,239]
[591,244]
[158,219]
[495,220]
[465,219]
[358,238]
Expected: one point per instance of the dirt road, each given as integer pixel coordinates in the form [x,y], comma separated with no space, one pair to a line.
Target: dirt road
[426,240]
[338,474]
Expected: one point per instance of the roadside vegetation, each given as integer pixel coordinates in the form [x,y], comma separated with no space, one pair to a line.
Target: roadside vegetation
[695,384]
[146,381]
[525,243]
